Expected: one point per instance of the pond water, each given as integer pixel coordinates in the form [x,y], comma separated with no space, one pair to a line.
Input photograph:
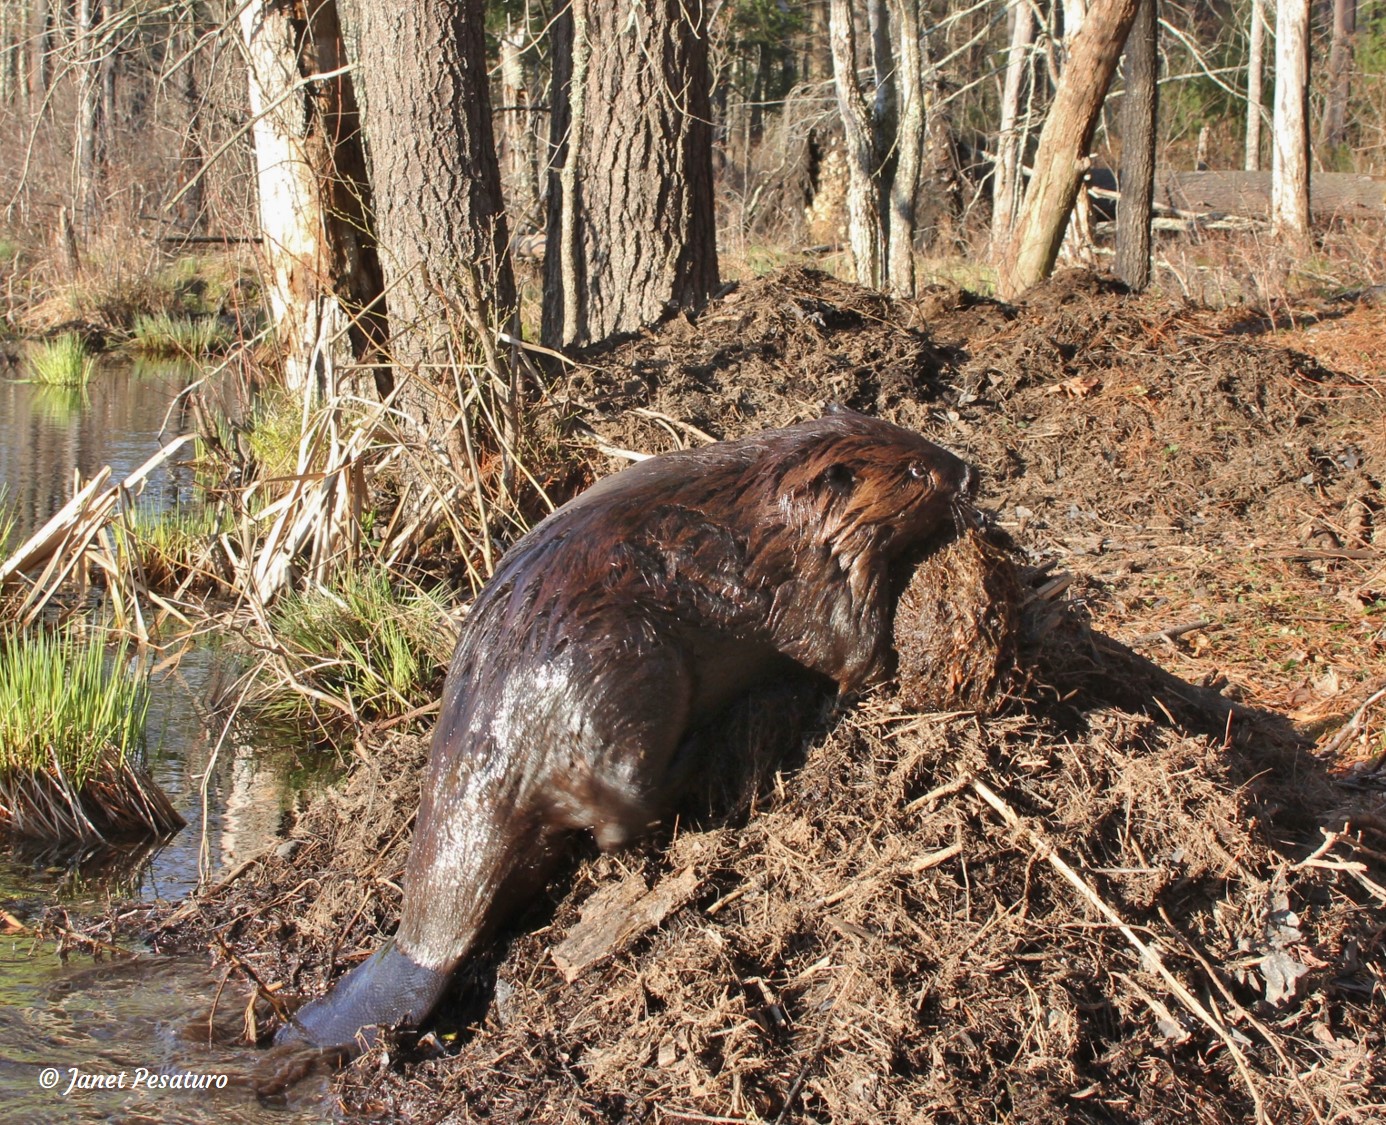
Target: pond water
[76,1023]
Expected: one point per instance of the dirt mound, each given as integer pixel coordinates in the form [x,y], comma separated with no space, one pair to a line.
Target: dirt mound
[1132,896]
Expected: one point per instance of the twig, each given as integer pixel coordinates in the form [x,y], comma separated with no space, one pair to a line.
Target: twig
[1353,725]
[1168,634]
[1149,956]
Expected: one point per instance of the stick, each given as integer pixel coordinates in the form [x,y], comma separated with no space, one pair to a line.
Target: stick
[1149,957]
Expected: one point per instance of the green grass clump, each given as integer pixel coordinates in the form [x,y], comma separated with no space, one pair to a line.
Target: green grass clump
[72,726]
[170,545]
[167,334]
[63,361]
[372,649]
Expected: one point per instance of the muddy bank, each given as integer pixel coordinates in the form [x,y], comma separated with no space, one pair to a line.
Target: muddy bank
[869,937]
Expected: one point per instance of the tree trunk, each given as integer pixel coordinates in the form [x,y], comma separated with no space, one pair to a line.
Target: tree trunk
[1078,247]
[1061,159]
[40,32]
[1255,80]
[1006,169]
[863,201]
[517,128]
[904,183]
[440,226]
[323,281]
[1137,171]
[1339,73]
[1290,150]
[90,146]
[632,232]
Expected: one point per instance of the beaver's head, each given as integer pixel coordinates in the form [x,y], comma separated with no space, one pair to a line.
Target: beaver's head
[863,484]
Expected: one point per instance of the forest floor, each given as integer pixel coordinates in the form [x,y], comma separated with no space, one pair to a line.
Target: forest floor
[1196,504]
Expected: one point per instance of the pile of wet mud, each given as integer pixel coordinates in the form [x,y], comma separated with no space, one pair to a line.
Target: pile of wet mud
[1125,892]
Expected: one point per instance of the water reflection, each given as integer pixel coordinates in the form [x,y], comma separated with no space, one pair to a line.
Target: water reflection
[120,419]
[232,788]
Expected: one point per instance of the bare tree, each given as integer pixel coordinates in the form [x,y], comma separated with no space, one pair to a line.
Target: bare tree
[1136,175]
[1255,80]
[1290,149]
[1006,167]
[1339,72]
[1061,159]
[864,221]
[631,225]
[909,145]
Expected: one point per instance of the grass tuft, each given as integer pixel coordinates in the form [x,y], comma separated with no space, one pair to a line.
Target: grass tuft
[167,334]
[72,726]
[63,361]
[365,647]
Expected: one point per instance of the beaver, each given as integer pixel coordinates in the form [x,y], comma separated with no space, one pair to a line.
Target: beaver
[631,615]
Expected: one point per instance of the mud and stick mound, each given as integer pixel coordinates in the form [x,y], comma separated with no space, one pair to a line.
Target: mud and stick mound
[1080,863]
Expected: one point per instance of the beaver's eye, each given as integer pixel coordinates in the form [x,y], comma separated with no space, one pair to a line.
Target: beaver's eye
[918,471]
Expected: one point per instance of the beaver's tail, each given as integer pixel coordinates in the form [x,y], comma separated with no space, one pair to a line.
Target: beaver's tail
[388,990]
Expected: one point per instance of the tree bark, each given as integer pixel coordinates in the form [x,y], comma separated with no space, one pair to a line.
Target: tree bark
[864,231]
[1255,82]
[1006,169]
[1339,73]
[632,220]
[324,288]
[1137,170]
[439,221]
[1061,158]
[1290,148]
[909,148]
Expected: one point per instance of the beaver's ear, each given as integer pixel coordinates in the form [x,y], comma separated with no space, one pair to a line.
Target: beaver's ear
[837,409]
[836,478]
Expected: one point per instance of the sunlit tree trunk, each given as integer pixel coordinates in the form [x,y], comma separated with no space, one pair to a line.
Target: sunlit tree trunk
[322,283]
[1255,80]
[1006,169]
[1290,150]
[904,183]
[864,232]
[631,229]
[1136,176]
[1061,159]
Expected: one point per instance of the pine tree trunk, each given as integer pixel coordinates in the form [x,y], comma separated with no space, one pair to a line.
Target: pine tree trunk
[632,232]
[864,232]
[1290,149]
[439,221]
[1061,159]
[1255,80]
[1136,176]
[1006,170]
